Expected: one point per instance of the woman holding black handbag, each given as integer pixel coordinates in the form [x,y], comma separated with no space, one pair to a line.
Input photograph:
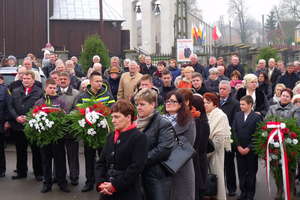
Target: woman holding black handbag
[123,157]
[181,118]
[196,105]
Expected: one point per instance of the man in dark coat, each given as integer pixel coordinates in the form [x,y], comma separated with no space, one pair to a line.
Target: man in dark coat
[148,68]
[198,84]
[196,65]
[97,91]
[3,114]
[20,102]
[78,68]
[290,78]
[212,63]
[69,95]
[230,107]
[235,65]
[167,84]
[55,151]
[50,67]
[114,80]
[18,83]
[273,73]
[244,126]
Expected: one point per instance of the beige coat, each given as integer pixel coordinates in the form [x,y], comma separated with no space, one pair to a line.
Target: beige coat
[220,135]
[127,85]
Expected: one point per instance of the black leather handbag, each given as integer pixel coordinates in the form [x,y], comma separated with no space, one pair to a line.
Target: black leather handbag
[210,146]
[212,184]
[181,153]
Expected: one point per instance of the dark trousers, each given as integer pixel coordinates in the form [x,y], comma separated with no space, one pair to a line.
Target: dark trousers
[229,166]
[72,148]
[90,161]
[2,154]
[21,149]
[57,152]
[247,169]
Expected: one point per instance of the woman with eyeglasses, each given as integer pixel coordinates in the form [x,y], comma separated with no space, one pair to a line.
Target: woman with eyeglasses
[220,136]
[181,118]
[160,134]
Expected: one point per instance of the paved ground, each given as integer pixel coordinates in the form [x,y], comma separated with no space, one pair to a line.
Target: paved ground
[29,189]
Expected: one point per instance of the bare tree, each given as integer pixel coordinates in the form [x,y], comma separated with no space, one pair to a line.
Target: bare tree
[290,9]
[237,9]
[194,8]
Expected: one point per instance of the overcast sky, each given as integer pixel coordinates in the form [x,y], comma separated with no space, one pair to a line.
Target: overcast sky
[213,9]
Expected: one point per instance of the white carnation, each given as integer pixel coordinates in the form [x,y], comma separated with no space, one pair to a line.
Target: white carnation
[288,140]
[295,141]
[82,123]
[91,132]
[264,134]
[274,157]
[276,144]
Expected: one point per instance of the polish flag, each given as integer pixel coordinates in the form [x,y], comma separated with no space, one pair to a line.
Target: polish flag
[216,34]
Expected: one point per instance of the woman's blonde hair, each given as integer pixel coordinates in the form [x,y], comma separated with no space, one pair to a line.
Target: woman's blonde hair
[146,94]
[249,78]
[188,69]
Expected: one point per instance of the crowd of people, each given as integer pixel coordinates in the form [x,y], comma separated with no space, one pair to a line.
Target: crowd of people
[207,106]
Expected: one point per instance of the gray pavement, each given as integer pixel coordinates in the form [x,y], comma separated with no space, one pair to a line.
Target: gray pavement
[29,189]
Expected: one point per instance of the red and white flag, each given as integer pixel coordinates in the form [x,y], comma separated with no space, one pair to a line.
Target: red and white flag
[216,34]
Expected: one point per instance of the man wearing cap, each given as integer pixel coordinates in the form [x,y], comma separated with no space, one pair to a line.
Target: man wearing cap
[114,80]
[12,61]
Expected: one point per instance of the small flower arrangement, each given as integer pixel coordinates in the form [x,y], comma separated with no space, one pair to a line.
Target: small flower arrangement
[90,122]
[270,147]
[44,125]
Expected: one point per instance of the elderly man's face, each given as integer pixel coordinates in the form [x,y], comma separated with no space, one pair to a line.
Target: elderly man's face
[52,59]
[235,60]
[27,64]
[212,61]
[148,60]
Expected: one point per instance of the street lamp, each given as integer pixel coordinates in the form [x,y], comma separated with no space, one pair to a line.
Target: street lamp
[137,8]
[156,9]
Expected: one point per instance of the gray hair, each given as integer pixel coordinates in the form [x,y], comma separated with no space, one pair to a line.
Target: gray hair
[225,82]
[96,56]
[133,62]
[213,70]
[262,60]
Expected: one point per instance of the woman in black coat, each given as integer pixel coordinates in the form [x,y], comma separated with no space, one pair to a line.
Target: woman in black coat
[200,146]
[196,105]
[123,157]
[261,104]
[264,84]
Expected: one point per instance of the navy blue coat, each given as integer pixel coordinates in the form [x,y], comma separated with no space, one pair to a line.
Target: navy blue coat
[244,130]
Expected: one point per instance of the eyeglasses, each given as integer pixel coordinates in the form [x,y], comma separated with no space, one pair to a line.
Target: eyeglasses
[171,102]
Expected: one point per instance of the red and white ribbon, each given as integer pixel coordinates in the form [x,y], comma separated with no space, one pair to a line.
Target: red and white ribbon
[277,126]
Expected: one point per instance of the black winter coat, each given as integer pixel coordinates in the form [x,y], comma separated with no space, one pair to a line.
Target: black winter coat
[128,155]
[48,69]
[200,159]
[231,68]
[3,107]
[261,103]
[244,130]
[289,80]
[20,104]
[146,70]
[230,108]
[200,69]
[114,86]
[161,137]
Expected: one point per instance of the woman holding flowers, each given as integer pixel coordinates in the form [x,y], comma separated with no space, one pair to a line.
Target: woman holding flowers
[123,157]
